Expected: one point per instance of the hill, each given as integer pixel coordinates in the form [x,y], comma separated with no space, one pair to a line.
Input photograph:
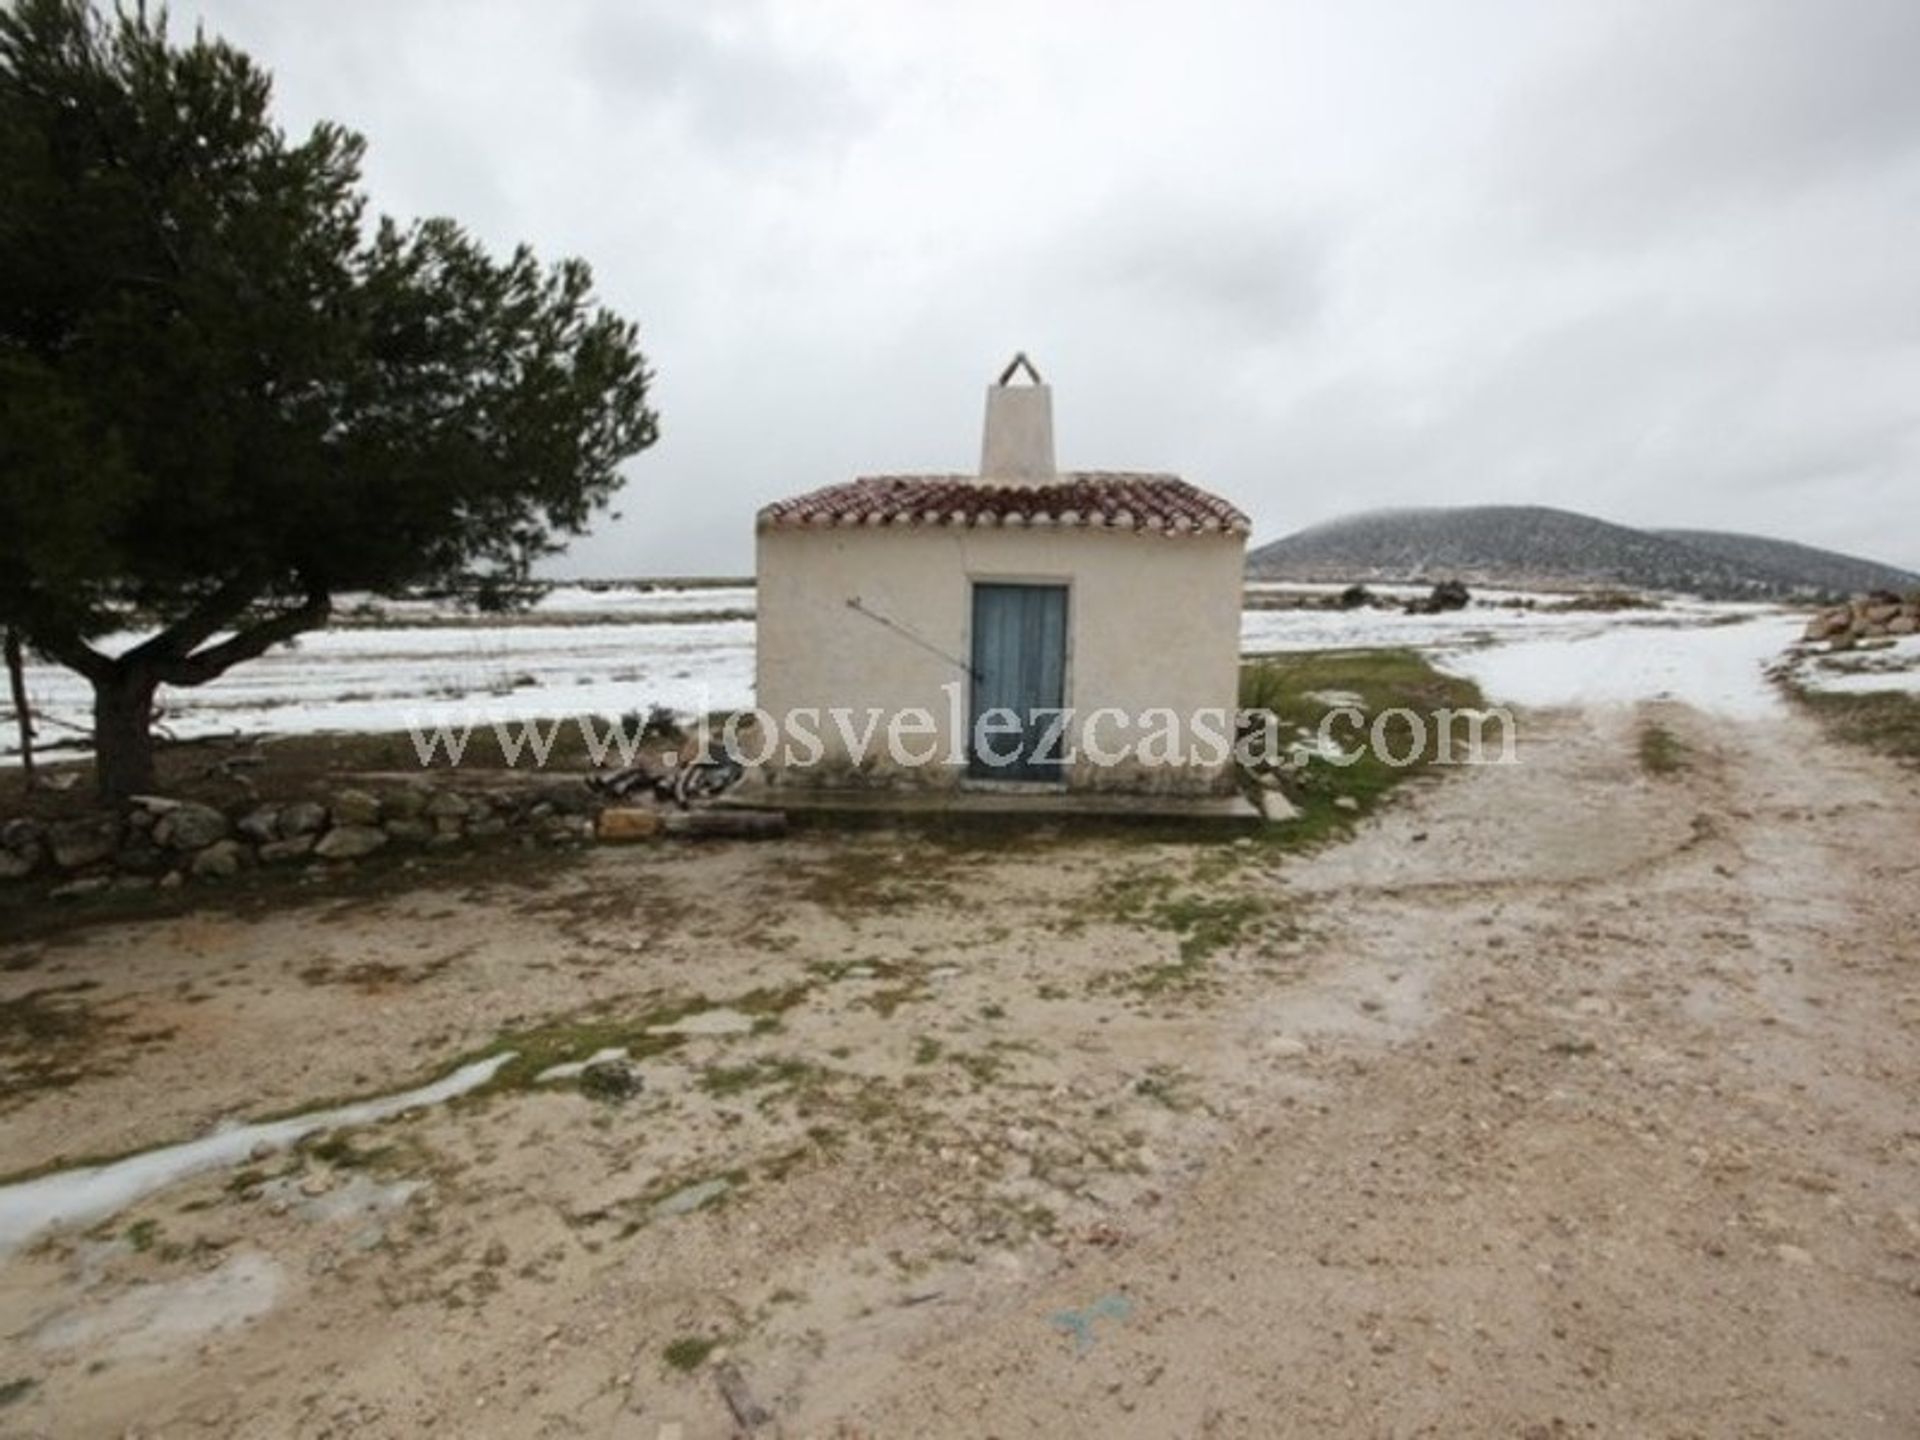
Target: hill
[1539,545]
[1797,566]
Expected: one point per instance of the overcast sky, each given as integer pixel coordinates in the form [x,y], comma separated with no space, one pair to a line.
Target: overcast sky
[1656,261]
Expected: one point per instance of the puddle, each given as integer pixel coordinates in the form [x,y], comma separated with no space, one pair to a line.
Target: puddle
[78,1197]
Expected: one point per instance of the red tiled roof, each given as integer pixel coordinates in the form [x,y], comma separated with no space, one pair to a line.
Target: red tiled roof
[1090,499]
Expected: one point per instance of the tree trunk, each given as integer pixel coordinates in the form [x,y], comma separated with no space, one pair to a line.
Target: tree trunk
[17,682]
[123,734]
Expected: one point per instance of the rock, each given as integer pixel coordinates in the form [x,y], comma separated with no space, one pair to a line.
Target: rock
[566,827]
[447,805]
[87,841]
[405,804]
[317,1182]
[75,889]
[1276,807]
[172,880]
[611,1080]
[489,825]
[23,847]
[353,808]
[449,825]
[1793,1254]
[350,842]
[628,822]
[221,860]
[410,830]
[260,824]
[1346,802]
[143,858]
[190,827]
[1903,625]
[294,847]
[303,817]
[571,798]
[1286,1047]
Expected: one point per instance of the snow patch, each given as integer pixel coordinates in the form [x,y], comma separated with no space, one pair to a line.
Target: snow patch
[1721,669]
[77,1197]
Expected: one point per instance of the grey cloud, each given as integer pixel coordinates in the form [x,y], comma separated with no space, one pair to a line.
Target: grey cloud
[1691,107]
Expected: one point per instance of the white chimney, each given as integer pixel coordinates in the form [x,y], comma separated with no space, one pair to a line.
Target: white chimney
[1017,447]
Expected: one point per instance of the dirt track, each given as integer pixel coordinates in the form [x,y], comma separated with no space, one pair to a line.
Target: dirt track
[1563,1099]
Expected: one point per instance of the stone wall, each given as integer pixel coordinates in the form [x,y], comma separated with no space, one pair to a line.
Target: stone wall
[162,842]
[1881,615]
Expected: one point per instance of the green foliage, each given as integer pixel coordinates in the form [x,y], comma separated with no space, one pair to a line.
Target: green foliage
[225,394]
[1424,714]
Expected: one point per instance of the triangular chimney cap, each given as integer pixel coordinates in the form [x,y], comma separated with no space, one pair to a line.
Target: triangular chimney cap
[1016,365]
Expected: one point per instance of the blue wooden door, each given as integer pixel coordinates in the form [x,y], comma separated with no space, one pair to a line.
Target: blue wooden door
[1019,674]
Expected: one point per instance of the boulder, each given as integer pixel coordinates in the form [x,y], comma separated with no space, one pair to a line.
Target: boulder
[1903,625]
[294,847]
[350,842]
[222,860]
[355,808]
[22,848]
[410,830]
[611,1080]
[190,827]
[447,805]
[303,817]
[87,841]
[260,824]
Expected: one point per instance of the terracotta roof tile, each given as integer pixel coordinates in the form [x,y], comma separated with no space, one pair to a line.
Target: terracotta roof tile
[1093,499]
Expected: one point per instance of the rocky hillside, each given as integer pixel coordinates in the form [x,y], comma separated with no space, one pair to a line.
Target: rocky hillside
[1537,545]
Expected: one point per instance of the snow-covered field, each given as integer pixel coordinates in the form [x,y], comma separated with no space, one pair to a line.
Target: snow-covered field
[613,651]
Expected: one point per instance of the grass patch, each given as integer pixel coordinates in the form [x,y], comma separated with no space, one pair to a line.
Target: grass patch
[1661,752]
[1887,721]
[723,1080]
[1410,716]
[689,1352]
[49,1038]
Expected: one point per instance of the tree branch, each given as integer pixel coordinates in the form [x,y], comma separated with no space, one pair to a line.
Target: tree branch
[199,668]
[199,625]
[65,646]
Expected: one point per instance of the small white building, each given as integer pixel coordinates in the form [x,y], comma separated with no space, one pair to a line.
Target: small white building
[1019,627]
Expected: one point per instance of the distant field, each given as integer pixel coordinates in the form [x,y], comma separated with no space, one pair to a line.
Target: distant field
[614,648]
